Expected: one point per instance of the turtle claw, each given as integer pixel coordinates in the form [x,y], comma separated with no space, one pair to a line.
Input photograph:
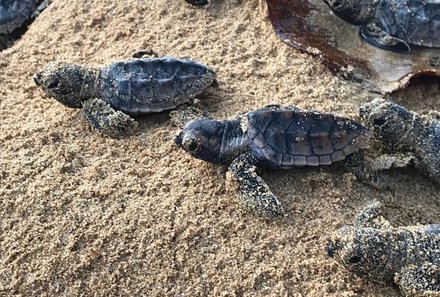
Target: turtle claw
[252,190]
[106,120]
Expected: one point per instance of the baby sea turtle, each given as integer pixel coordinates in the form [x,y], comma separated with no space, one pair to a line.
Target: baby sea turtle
[110,95]
[15,13]
[272,137]
[393,24]
[402,132]
[373,249]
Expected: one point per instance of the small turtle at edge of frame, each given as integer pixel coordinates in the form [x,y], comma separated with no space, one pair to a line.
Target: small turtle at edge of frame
[373,249]
[393,25]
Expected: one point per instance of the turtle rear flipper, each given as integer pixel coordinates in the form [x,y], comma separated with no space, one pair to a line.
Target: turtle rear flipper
[252,190]
[107,120]
[423,280]
[377,37]
[186,112]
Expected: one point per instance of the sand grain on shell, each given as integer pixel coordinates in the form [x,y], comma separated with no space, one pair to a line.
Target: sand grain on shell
[85,214]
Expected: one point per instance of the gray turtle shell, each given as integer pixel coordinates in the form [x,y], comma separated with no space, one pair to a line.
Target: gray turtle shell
[414,21]
[286,138]
[13,13]
[152,85]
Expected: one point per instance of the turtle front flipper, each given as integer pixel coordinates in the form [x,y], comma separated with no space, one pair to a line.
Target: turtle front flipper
[252,190]
[371,217]
[364,170]
[377,37]
[107,120]
[423,280]
[185,113]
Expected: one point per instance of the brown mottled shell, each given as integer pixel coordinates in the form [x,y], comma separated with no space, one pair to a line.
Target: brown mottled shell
[286,138]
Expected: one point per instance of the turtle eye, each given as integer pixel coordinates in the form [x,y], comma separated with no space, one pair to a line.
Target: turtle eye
[331,249]
[53,84]
[355,259]
[193,146]
[379,121]
[336,3]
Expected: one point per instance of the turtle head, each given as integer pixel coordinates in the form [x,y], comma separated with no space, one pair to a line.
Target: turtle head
[67,83]
[356,12]
[202,139]
[364,251]
[387,120]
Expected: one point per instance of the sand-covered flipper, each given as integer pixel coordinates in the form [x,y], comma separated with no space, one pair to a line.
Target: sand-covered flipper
[107,120]
[419,280]
[252,190]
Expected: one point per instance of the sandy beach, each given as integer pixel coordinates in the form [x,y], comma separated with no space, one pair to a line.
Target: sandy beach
[82,214]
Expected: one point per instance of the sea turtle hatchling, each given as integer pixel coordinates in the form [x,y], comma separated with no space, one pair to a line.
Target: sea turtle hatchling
[405,132]
[277,138]
[372,248]
[393,24]
[109,95]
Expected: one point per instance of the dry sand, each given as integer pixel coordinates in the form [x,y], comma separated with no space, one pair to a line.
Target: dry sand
[86,215]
